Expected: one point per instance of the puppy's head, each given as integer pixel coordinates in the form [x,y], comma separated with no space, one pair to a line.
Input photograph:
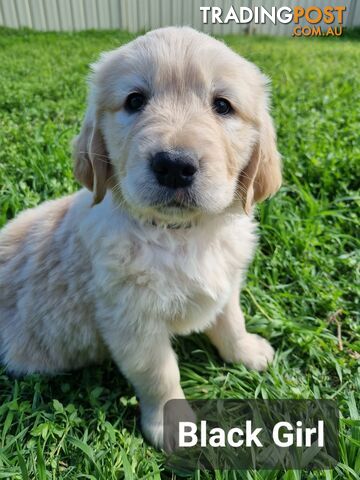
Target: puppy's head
[178,126]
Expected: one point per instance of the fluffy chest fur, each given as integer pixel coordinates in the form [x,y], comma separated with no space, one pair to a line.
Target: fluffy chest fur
[149,274]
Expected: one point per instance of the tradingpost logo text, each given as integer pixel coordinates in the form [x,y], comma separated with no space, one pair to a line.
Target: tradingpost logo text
[306,20]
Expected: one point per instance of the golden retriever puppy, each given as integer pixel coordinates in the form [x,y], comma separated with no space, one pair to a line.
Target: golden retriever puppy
[176,146]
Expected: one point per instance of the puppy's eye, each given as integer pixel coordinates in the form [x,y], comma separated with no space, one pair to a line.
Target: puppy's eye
[135,102]
[222,106]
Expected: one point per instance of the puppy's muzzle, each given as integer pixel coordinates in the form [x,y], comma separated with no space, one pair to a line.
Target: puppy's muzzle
[174,168]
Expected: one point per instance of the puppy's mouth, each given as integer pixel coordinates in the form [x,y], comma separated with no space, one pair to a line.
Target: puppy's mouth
[173,208]
[178,200]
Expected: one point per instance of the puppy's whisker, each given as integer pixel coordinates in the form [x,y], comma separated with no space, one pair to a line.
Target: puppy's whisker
[97,156]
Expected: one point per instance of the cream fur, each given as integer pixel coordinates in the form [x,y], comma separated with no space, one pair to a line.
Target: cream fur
[103,274]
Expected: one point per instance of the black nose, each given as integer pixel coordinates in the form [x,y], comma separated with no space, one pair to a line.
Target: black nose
[174,169]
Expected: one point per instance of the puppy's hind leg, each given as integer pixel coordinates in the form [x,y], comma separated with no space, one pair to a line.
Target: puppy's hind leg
[234,343]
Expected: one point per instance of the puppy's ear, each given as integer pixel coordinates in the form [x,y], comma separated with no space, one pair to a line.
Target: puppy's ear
[261,178]
[92,166]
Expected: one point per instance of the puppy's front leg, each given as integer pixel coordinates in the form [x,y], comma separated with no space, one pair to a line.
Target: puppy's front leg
[150,364]
[234,343]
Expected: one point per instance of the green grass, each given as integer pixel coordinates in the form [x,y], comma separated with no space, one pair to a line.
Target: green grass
[84,424]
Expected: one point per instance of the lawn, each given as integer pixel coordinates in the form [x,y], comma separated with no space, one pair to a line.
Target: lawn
[302,291]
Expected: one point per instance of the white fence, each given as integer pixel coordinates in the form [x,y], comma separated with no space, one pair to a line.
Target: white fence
[140,15]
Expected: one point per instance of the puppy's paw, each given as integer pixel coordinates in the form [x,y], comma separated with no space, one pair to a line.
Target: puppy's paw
[166,437]
[252,350]
[153,428]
